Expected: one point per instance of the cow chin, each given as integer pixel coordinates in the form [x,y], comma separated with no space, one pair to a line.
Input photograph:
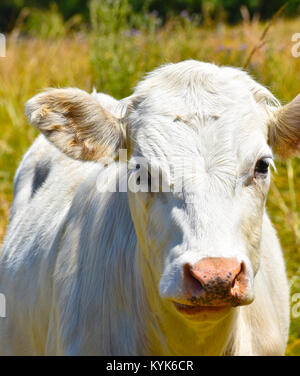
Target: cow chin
[203,313]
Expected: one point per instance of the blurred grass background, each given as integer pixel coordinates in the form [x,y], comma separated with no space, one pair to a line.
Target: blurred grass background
[121,41]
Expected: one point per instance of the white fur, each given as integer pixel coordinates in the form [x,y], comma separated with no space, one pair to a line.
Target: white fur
[86,272]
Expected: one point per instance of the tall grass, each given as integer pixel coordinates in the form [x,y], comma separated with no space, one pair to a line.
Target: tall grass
[117,52]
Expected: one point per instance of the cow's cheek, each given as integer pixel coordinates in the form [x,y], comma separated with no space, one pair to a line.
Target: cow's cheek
[252,229]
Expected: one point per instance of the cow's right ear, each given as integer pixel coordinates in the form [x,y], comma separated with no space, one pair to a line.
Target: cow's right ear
[76,124]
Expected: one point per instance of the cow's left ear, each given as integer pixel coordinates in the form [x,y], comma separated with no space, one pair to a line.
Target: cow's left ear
[76,123]
[284,131]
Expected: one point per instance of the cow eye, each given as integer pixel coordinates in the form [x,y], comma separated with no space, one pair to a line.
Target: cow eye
[262,167]
[138,180]
[149,183]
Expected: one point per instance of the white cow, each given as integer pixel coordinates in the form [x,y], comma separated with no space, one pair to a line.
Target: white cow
[190,271]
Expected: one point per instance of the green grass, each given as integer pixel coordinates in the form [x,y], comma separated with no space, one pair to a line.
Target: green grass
[114,58]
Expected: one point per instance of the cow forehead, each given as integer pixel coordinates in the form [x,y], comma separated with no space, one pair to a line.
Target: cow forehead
[195,84]
[199,108]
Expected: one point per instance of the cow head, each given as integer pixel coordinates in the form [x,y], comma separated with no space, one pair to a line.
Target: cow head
[199,140]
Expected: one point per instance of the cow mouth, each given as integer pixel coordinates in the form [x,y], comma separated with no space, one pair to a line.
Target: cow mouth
[188,309]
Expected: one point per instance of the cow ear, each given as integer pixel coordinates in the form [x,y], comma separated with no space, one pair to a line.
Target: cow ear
[76,124]
[284,131]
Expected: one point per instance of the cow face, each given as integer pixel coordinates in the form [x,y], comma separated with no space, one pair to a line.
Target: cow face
[199,139]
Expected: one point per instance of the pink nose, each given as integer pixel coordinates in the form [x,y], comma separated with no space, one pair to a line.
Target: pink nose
[215,281]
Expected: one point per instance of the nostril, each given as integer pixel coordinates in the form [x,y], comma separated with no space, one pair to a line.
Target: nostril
[238,282]
[192,279]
